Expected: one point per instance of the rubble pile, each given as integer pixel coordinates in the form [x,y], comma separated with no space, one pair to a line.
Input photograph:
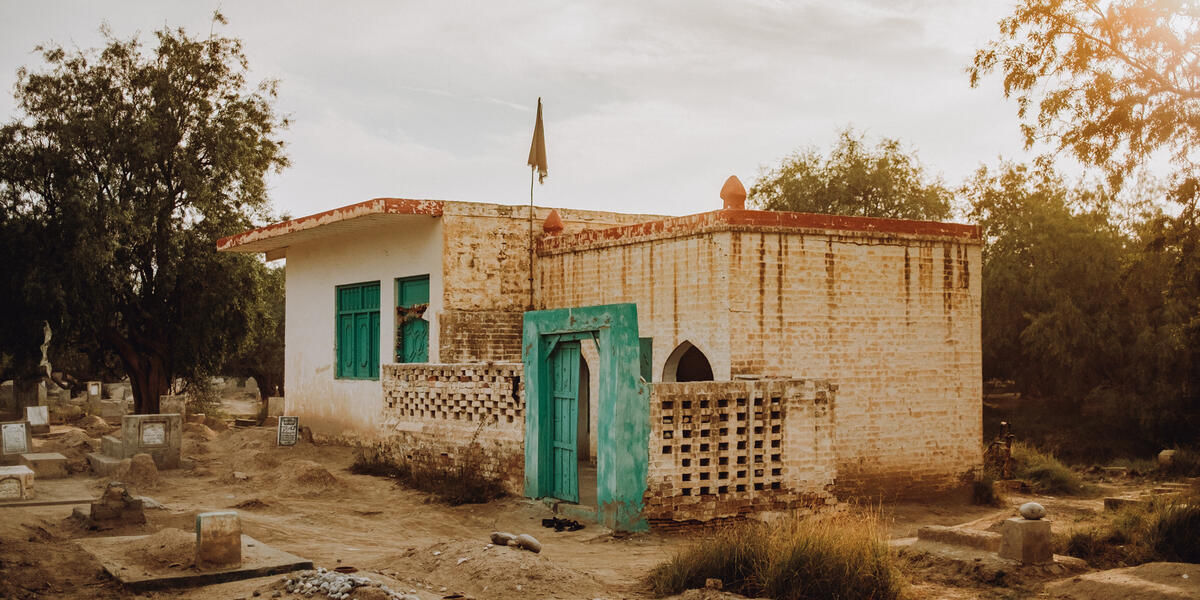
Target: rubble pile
[334,585]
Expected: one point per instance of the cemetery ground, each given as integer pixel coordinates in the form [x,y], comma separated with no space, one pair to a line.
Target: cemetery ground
[304,500]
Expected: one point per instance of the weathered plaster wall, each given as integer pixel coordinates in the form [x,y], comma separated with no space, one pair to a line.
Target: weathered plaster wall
[726,449]
[891,318]
[894,322]
[681,286]
[404,247]
[442,415]
[486,263]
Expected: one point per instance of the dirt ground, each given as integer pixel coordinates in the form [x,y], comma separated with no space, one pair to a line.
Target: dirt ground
[304,500]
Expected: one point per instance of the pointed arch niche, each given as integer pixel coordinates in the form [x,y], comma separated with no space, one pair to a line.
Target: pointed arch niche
[687,363]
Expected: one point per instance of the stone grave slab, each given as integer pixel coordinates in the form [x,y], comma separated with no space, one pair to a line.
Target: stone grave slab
[39,419]
[160,436]
[1027,541]
[47,465]
[16,439]
[16,483]
[258,560]
[288,431]
[218,539]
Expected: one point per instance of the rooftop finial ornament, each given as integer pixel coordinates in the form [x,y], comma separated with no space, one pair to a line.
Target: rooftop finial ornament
[553,224]
[734,194]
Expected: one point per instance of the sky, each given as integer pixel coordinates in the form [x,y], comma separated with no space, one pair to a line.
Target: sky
[648,106]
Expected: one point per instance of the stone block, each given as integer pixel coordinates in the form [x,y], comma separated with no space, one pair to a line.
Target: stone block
[110,409]
[16,439]
[1026,541]
[102,464]
[218,540]
[276,406]
[971,538]
[39,418]
[112,445]
[16,483]
[172,405]
[117,505]
[160,436]
[47,465]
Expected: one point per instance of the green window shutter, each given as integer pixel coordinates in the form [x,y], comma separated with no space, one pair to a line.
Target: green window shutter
[357,336]
[412,334]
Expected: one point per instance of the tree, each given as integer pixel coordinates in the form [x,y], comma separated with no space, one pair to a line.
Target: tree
[855,180]
[1110,82]
[122,169]
[261,353]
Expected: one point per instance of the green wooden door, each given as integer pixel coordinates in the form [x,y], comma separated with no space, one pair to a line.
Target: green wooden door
[564,402]
[413,334]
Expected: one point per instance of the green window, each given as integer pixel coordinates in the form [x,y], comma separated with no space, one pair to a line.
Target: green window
[358,331]
[412,328]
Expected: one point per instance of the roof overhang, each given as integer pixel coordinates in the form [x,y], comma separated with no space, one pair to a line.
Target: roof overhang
[274,239]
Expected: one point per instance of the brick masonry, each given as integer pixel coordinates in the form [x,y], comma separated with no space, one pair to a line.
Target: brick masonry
[480,336]
[720,450]
[891,318]
[445,414]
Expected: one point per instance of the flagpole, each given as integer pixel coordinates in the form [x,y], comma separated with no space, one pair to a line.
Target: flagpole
[532,172]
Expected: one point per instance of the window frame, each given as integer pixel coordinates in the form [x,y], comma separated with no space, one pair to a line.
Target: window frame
[373,327]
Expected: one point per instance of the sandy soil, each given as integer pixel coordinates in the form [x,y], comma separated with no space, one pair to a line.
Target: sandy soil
[303,500]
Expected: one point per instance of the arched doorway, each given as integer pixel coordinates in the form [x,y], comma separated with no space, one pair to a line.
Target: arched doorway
[687,363]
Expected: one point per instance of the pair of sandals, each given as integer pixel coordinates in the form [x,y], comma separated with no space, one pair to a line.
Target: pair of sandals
[558,524]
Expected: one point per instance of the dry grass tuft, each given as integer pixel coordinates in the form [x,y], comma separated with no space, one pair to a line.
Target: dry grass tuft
[833,556]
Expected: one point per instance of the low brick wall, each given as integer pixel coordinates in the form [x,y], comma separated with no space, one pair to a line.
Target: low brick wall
[722,450]
[445,413]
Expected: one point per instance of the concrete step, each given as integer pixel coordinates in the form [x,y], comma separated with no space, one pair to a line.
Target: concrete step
[112,445]
[103,465]
[47,465]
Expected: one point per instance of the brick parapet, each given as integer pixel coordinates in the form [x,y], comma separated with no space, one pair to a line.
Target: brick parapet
[468,336]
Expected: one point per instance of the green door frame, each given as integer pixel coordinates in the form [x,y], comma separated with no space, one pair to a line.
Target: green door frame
[623,416]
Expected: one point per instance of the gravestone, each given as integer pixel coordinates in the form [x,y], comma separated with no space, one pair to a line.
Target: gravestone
[160,436]
[1026,540]
[47,465]
[39,418]
[275,406]
[16,483]
[15,439]
[218,540]
[288,431]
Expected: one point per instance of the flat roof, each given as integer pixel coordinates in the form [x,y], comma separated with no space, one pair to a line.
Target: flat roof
[346,218]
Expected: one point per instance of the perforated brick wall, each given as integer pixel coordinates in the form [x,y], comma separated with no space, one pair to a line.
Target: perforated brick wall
[443,414]
[726,449]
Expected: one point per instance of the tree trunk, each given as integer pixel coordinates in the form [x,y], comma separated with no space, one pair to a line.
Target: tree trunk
[25,393]
[267,384]
[147,371]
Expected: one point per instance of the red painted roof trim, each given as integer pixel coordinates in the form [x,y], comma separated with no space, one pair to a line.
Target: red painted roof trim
[377,206]
[761,219]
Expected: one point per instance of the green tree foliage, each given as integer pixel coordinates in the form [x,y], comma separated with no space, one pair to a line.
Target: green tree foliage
[261,354]
[855,179]
[120,172]
[1116,84]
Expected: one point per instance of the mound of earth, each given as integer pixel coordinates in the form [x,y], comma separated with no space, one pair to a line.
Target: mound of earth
[198,432]
[1151,581]
[140,472]
[168,549]
[504,571]
[94,426]
[75,446]
[302,477]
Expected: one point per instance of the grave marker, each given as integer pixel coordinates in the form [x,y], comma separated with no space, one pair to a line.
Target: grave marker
[15,440]
[218,539]
[16,483]
[160,436]
[289,431]
[39,418]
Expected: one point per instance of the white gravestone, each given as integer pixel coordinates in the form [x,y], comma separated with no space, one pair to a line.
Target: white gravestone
[14,438]
[154,434]
[39,418]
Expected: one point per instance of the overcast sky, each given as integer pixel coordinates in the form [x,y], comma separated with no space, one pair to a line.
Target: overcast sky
[649,106]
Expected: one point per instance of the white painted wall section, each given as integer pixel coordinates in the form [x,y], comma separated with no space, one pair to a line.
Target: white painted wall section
[407,246]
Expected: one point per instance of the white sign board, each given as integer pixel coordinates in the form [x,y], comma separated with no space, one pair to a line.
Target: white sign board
[13,435]
[37,415]
[154,434]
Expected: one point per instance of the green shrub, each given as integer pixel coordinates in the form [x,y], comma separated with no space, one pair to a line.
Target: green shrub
[1045,473]
[839,556]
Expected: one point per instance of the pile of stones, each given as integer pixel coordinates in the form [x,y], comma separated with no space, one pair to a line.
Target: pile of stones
[334,585]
